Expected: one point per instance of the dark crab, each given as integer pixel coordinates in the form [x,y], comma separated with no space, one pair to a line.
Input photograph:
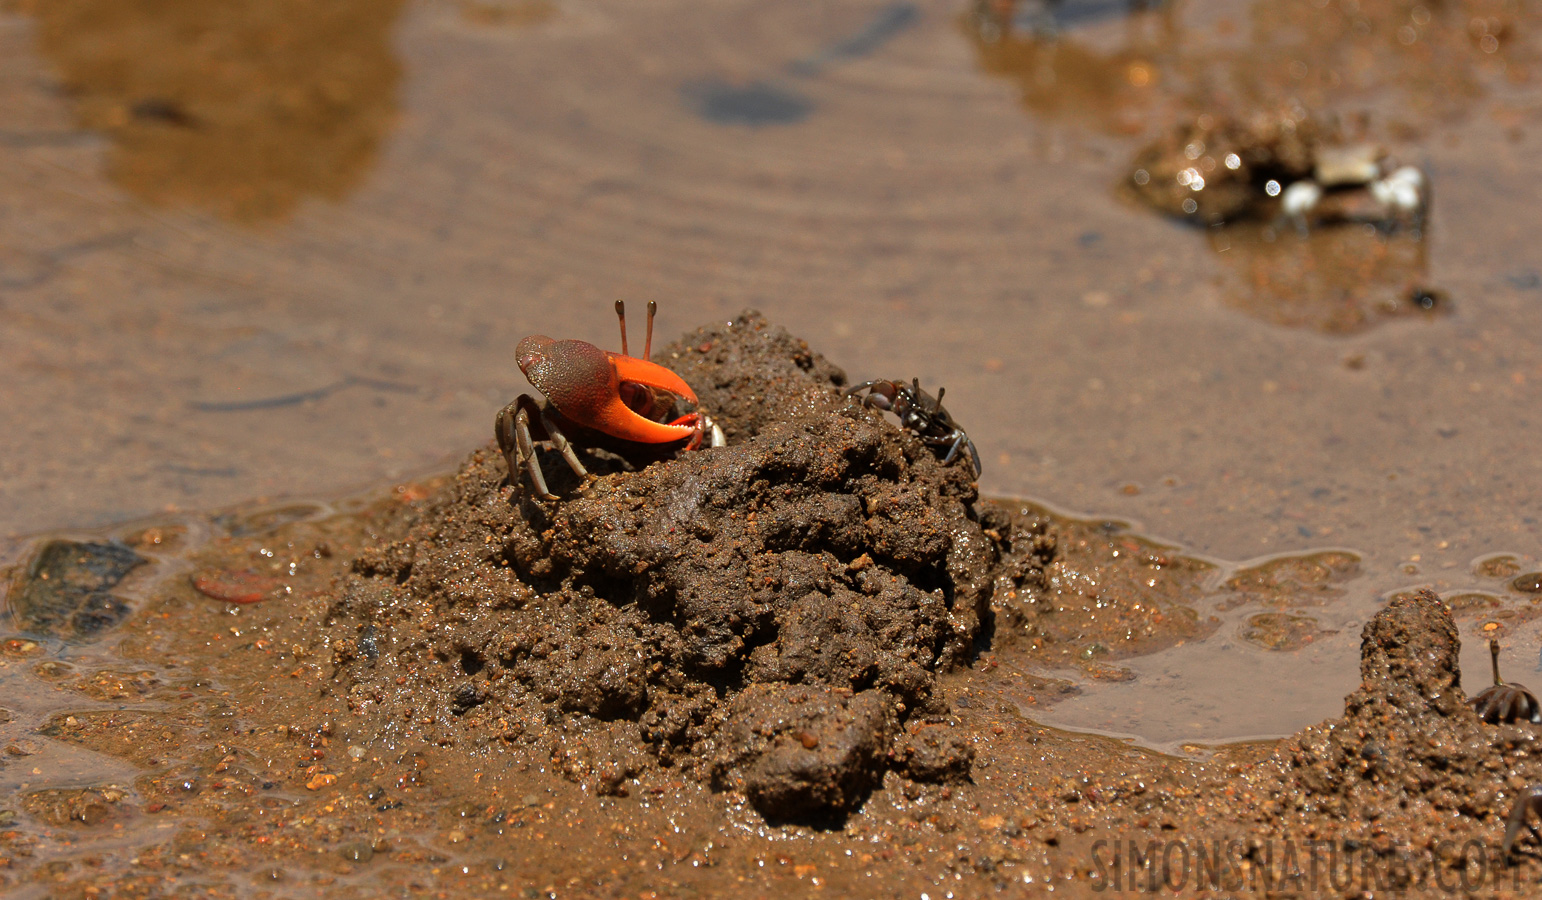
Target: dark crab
[922,414]
[1505,702]
[1528,804]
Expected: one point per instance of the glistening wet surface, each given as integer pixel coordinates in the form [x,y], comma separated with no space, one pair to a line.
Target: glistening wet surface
[232,274]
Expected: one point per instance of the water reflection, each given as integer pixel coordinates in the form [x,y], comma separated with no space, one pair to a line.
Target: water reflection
[1066,78]
[509,13]
[1332,280]
[777,101]
[241,107]
[1421,60]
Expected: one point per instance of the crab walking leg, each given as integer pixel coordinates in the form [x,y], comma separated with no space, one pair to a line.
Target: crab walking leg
[877,398]
[560,443]
[513,431]
[503,429]
[974,457]
[952,442]
[527,455]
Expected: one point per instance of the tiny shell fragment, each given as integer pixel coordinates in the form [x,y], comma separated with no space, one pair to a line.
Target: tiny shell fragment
[236,586]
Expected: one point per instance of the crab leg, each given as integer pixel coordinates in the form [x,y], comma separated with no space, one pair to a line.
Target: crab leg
[958,441]
[974,456]
[513,430]
[527,455]
[503,429]
[560,443]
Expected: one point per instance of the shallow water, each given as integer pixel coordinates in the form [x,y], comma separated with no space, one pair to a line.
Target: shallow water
[224,279]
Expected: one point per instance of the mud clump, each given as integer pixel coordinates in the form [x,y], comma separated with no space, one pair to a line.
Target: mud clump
[1408,729]
[799,753]
[769,617]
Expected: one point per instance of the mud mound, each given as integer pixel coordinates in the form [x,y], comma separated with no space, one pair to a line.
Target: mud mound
[768,617]
[1407,732]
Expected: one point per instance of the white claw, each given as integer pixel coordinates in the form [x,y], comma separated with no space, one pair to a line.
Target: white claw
[1402,192]
[1300,198]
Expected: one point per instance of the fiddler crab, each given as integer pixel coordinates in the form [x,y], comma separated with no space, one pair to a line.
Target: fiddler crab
[1506,701]
[615,395]
[921,414]
[1503,703]
[1356,184]
[1528,804]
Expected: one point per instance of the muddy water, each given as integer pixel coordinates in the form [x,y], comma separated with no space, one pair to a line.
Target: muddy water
[232,274]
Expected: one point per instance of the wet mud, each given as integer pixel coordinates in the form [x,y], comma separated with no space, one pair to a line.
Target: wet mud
[66,590]
[793,663]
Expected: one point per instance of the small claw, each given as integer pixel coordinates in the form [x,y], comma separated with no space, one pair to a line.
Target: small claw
[958,441]
[974,459]
[707,430]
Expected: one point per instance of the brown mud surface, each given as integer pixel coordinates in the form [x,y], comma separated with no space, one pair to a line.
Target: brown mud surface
[267,251]
[264,252]
[794,664]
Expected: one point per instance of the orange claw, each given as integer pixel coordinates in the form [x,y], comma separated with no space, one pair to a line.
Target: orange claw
[615,418]
[585,384]
[616,394]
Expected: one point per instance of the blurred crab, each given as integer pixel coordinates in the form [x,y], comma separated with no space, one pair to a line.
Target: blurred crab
[1355,183]
[1505,702]
[613,395]
[1529,801]
[922,414]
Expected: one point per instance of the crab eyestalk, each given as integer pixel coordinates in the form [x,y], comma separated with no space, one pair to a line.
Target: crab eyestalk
[1493,650]
[653,308]
[621,315]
